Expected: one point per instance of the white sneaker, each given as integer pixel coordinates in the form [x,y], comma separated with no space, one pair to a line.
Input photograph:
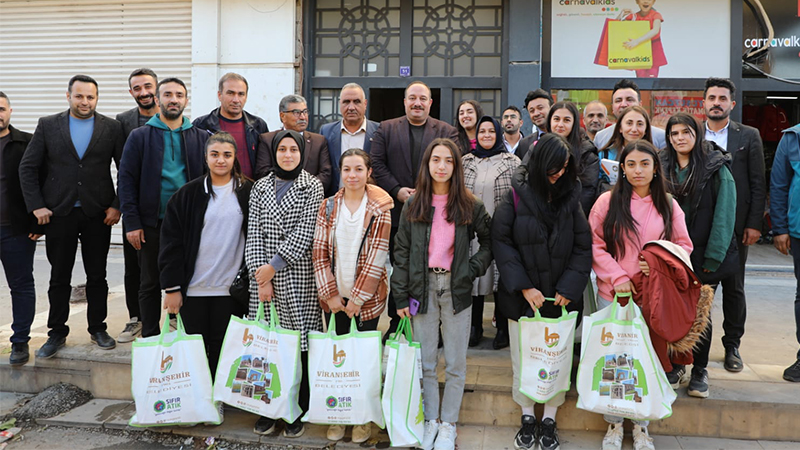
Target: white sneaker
[642,439]
[431,429]
[362,433]
[132,330]
[335,432]
[446,439]
[613,437]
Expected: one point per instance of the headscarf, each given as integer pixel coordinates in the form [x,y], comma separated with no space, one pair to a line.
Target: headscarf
[301,144]
[498,148]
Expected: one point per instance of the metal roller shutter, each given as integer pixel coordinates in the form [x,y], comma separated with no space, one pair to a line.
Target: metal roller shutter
[43,43]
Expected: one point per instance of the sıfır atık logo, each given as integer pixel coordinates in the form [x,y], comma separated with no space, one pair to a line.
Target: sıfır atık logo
[550,339]
[159,406]
[338,357]
[606,338]
[166,362]
[331,402]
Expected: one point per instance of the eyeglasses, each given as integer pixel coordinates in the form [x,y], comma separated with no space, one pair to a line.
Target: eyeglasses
[297,112]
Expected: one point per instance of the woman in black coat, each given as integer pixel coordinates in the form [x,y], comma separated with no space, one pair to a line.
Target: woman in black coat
[542,245]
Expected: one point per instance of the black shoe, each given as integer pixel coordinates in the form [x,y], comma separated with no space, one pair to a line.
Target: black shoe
[19,354]
[678,376]
[733,361]
[698,385]
[501,340]
[265,425]
[294,429]
[103,340]
[548,434]
[526,436]
[51,347]
[475,336]
[792,373]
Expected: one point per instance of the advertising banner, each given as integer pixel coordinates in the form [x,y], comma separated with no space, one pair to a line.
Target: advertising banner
[776,53]
[641,38]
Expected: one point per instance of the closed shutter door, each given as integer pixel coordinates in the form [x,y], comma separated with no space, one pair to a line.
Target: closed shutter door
[44,43]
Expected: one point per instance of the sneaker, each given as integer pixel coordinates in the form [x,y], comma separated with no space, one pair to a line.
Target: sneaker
[133,330]
[51,347]
[294,429]
[431,429]
[446,438]
[642,439]
[733,360]
[20,354]
[362,433]
[103,340]
[548,438]
[335,433]
[698,385]
[792,373]
[526,436]
[613,437]
[677,376]
[265,425]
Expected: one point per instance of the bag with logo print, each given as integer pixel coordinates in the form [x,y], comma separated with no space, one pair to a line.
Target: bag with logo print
[344,377]
[402,388]
[619,373]
[259,367]
[170,380]
[545,347]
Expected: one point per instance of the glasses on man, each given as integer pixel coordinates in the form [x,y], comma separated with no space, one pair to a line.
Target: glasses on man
[297,112]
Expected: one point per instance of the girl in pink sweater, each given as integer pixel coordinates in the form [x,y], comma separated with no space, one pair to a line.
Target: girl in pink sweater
[637,210]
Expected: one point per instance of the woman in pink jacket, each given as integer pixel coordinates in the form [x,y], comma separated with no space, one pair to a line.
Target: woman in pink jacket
[637,210]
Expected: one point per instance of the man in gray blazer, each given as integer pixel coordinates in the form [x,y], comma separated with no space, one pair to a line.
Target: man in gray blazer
[142,87]
[76,200]
[353,131]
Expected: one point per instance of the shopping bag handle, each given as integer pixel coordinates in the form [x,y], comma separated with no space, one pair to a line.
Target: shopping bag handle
[165,328]
[404,329]
[615,304]
[538,315]
[260,312]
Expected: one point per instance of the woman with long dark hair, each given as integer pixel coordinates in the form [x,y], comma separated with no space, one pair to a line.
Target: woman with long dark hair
[487,173]
[699,177]
[202,245]
[467,115]
[433,268]
[632,125]
[564,120]
[351,243]
[543,248]
[637,210]
[283,208]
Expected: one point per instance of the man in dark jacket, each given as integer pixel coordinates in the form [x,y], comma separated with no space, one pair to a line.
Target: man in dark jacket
[76,200]
[142,87]
[396,149]
[159,158]
[18,234]
[744,145]
[232,118]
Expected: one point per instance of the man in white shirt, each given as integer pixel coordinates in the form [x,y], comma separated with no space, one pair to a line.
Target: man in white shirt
[595,117]
[626,93]
[511,122]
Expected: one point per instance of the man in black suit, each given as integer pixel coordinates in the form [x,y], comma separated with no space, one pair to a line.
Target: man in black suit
[396,149]
[747,152]
[537,103]
[142,87]
[76,200]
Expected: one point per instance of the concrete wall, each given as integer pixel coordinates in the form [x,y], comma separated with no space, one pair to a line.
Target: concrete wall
[254,38]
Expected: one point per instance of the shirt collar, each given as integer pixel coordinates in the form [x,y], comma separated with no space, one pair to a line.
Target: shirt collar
[362,128]
[723,130]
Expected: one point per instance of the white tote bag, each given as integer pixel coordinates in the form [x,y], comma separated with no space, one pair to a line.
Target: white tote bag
[259,367]
[545,347]
[170,380]
[619,373]
[402,390]
[344,377]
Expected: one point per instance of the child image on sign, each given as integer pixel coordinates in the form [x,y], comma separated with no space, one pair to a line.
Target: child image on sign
[647,12]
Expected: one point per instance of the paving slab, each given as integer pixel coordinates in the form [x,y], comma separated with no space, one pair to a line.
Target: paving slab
[90,415]
[119,420]
[470,438]
[702,443]
[778,445]
[10,400]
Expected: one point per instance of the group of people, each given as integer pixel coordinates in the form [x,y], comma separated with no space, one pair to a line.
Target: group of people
[462,212]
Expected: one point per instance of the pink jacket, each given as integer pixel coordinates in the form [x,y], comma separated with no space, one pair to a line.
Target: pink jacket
[612,272]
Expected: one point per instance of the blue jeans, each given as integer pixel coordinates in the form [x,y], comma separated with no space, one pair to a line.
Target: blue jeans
[16,254]
[796,256]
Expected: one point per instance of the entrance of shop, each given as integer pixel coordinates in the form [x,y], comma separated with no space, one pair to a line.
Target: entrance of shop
[387,103]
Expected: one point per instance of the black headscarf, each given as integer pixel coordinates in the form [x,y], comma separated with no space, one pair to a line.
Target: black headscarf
[498,148]
[301,144]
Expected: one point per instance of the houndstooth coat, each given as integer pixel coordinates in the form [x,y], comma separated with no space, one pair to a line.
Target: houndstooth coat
[286,229]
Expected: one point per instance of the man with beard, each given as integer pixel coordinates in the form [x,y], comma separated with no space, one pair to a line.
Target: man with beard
[512,121]
[538,104]
[66,181]
[595,117]
[142,87]
[232,118]
[744,145]
[626,93]
[159,158]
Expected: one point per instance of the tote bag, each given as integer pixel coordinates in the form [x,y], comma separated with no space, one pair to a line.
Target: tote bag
[402,389]
[620,57]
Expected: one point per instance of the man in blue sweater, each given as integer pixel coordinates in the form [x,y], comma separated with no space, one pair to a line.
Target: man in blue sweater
[158,159]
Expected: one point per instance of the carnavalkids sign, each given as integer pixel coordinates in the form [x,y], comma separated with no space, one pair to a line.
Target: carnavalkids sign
[639,38]
[776,53]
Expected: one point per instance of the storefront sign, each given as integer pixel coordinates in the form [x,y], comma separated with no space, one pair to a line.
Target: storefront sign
[777,54]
